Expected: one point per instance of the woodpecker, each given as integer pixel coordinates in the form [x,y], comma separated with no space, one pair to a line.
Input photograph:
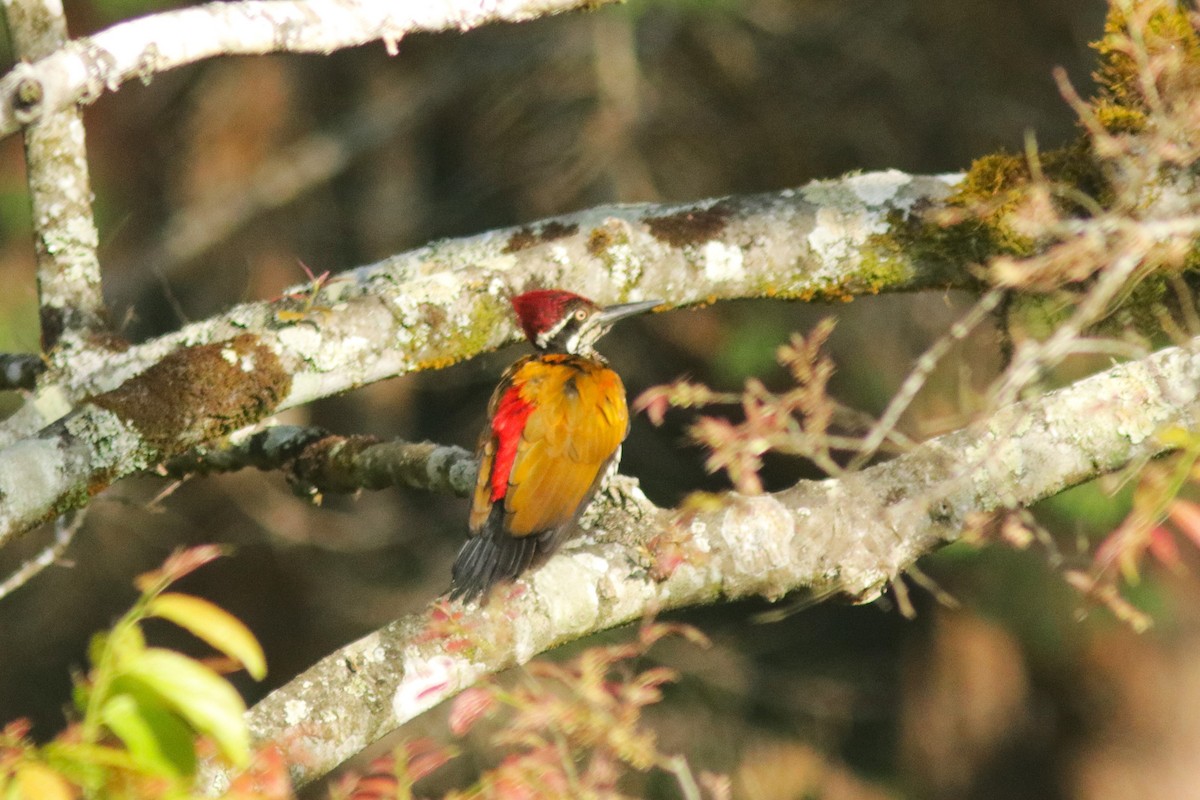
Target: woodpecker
[555,427]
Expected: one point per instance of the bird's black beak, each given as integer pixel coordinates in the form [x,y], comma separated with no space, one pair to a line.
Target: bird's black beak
[610,314]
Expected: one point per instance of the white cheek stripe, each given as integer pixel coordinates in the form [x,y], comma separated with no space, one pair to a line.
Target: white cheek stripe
[545,337]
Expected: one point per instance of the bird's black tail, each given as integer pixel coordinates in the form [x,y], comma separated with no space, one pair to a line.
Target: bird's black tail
[491,557]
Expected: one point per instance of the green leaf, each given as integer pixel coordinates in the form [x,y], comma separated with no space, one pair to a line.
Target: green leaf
[202,697]
[81,693]
[77,759]
[214,625]
[158,741]
[124,641]
[106,651]
[96,647]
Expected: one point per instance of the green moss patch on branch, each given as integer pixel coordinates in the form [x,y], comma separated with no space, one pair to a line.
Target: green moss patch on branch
[978,222]
[1011,205]
[1121,105]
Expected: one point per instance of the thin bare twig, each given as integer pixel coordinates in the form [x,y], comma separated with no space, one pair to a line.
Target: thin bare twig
[679,767]
[920,373]
[1032,357]
[65,528]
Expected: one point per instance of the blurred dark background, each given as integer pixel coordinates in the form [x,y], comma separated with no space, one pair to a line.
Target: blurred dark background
[216,182]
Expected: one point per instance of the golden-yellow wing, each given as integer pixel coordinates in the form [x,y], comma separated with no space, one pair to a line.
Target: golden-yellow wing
[575,418]
[557,422]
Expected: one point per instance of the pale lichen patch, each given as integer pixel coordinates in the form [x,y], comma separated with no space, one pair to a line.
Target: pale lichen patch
[877,188]
[295,711]
[627,598]
[838,236]
[571,580]
[723,262]
[525,644]
[52,403]
[1137,427]
[758,533]
[31,482]
[109,438]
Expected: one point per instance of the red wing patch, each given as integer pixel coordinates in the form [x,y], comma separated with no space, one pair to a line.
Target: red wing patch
[507,426]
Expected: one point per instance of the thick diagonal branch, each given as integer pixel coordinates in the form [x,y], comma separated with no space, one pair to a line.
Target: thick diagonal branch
[850,535]
[449,301]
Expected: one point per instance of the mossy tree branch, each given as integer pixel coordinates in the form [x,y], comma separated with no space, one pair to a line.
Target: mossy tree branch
[448,301]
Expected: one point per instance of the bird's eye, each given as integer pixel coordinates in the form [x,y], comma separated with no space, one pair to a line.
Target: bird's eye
[581,315]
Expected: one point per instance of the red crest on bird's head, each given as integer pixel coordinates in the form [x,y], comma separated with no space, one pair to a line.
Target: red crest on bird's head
[541,310]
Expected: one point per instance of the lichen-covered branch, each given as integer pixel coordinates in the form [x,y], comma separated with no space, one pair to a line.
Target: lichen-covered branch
[318,462]
[448,301]
[83,69]
[193,395]
[65,237]
[852,535]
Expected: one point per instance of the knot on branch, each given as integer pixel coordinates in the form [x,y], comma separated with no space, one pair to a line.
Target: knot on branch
[28,95]
[20,370]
